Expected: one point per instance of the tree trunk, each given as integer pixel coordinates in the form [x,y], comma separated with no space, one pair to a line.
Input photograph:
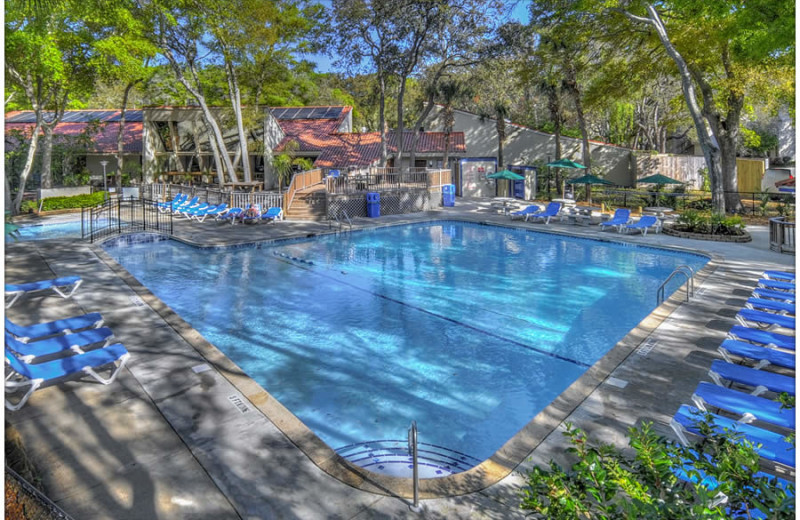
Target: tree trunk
[121,136]
[215,152]
[236,101]
[707,140]
[501,137]
[173,137]
[401,134]
[382,117]
[26,170]
[412,154]
[47,157]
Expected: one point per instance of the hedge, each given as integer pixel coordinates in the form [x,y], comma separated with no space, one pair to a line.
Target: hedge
[77,201]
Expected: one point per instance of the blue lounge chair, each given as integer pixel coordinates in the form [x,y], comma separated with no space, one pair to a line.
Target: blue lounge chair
[764,356]
[549,212]
[762,337]
[232,214]
[621,218]
[217,210]
[56,284]
[774,295]
[779,275]
[760,380]
[249,215]
[750,407]
[770,305]
[643,224]
[35,376]
[768,319]
[188,211]
[533,208]
[26,333]
[177,208]
[179,199]
[273,214]
[768,444]
[776,285]
[75,342]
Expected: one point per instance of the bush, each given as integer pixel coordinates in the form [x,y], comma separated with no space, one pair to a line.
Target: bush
[77,201]
[606,483]
[693,221]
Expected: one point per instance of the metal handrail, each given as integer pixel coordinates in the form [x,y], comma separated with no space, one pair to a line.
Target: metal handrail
[681,269]
[413,449]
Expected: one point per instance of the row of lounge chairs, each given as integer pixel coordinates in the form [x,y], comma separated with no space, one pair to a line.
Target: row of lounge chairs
[621,220]
[198,211]
[764,346]
[47,353]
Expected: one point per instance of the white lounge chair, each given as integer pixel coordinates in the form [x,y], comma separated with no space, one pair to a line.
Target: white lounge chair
[59,285]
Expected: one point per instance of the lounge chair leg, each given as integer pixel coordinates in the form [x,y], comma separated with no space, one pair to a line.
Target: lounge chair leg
[110,379]
[67,295]
[14,299]
[12,386]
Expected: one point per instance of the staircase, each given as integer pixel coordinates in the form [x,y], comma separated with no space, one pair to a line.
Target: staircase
[391,457]
[308,204]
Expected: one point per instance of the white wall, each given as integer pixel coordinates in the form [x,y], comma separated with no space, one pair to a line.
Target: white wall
[525,146]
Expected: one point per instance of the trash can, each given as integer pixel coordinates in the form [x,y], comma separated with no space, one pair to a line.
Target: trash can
[449,195]
[373,205]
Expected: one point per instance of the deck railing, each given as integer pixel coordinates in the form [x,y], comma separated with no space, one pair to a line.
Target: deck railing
[117,216]
[781,235]
[234,199]
[301,181]
[387,179]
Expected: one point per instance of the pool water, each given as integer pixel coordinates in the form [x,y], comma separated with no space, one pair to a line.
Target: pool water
[57,228]
[470,330]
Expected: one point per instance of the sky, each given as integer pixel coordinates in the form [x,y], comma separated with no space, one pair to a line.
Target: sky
[519,13]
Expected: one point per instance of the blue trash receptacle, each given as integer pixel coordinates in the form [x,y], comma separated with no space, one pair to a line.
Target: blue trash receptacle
[449,195]
[373,205]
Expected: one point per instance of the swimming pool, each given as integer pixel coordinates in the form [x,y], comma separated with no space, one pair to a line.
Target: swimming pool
[468,329]
[51,228]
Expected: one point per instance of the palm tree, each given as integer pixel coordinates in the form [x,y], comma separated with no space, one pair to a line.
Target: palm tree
[501,113]
[450,92]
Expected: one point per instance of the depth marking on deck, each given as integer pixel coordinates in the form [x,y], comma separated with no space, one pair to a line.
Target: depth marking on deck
[136,300]
[239,403]
[645,348]
[615,381]
[197,369]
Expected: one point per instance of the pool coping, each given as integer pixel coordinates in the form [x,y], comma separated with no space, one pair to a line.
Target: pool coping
[513,452]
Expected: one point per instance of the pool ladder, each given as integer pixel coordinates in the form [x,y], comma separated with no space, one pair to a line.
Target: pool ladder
[341,224]
[686,271]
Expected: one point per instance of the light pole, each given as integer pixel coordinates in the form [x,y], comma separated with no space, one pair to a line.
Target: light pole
[105,179]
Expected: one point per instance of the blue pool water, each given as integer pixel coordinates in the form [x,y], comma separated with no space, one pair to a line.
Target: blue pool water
[51,229]
[471,330]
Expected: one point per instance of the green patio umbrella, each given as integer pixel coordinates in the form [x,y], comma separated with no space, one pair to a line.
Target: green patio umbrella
[506,175]
[658,179]
[566,163]
[588,180]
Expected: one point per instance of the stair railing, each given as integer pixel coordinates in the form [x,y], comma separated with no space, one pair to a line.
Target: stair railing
[299,182]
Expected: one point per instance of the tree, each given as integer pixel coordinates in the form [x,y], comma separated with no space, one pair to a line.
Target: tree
[46,57]
[123,55]
[734,44]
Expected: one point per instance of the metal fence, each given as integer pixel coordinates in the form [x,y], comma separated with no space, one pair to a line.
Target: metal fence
[234,199]
[117,216]
[385,180]
[753,203]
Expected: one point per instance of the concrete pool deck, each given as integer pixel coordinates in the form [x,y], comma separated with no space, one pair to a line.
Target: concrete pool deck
[174,439]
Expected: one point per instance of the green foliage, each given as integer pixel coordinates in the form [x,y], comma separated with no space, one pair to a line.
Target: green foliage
[693,221]
[757,143]
[77,201]
[606,483]
[12,230]
[703,172]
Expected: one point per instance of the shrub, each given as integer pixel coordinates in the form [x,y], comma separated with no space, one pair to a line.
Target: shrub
[693,221]
[77,201]
[606,483]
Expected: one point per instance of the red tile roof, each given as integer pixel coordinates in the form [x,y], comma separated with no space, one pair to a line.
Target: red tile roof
[104,141]
[342,150]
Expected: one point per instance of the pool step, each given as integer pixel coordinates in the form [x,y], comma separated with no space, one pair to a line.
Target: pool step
[391,457]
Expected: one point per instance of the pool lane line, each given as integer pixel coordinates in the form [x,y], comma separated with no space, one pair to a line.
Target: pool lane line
[305,265]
